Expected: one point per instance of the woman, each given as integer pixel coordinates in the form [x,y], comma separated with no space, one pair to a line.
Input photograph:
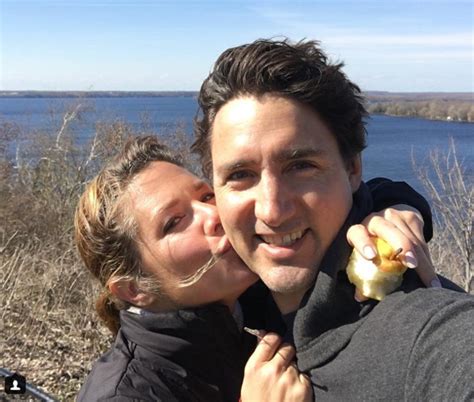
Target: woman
[149,231]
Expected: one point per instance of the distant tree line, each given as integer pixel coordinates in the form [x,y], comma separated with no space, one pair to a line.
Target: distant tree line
[434,109]
[95,94]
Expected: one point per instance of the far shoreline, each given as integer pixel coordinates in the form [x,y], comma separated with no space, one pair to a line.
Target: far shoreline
[435,106]
[401,116]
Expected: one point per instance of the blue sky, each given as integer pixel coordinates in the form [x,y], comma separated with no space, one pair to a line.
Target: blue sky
[397,45]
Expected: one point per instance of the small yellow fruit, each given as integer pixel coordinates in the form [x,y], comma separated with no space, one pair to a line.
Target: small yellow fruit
[378,277]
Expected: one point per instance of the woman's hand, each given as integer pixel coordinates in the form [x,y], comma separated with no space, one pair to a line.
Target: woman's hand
[402,227]
[271,374]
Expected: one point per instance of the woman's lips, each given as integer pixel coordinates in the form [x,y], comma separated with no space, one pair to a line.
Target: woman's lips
[223,247]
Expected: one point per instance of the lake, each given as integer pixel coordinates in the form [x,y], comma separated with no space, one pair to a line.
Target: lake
[392,141]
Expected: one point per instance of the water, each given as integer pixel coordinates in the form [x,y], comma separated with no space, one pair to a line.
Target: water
[392,141]
[159,114]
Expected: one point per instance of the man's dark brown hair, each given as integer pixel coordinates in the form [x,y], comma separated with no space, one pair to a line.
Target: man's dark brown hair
[299,71]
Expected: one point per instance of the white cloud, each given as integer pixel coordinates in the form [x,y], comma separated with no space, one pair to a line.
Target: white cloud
[296,26]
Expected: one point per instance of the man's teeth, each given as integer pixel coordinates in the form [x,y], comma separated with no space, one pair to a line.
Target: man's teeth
[282,240]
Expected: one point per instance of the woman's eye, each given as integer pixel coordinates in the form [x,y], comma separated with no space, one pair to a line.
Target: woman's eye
[171,223]
[207,197]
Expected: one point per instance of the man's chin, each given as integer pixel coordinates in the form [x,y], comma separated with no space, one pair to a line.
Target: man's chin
[287,279]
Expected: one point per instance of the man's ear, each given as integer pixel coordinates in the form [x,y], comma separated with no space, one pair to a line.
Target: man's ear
[354,169]
[127,290]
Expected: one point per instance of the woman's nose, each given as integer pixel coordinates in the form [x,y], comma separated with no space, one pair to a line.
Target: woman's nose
[211,221]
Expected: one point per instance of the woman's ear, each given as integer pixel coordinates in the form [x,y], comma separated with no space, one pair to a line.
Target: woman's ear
[127,290]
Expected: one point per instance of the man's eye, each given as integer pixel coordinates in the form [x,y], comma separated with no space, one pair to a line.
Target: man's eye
[301,165]
[239,175]
[171,223]
[208,197]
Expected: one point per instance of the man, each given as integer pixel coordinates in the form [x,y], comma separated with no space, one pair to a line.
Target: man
[282,131]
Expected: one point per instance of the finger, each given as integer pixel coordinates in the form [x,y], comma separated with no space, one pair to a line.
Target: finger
[409,243]
[307,393]
[412,256]
[410,216]
[410,222]
[426,271]
[298,386]
[397,238]
[358,296]
[304,379]
[284,356]
[359,237]
[424,265]
[415,233]
[266,349]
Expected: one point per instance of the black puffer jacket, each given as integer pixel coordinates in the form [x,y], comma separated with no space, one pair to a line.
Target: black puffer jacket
[188,355]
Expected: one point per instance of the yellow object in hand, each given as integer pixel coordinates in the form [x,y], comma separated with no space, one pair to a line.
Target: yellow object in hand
[378,277]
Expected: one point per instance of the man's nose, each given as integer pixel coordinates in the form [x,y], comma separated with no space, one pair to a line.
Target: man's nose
[273,203]
[211,222]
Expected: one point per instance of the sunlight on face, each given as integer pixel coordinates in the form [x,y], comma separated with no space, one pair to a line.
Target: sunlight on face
[282,187]
[180,232]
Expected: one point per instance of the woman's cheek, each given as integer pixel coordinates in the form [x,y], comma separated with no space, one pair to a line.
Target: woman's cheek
[190,253]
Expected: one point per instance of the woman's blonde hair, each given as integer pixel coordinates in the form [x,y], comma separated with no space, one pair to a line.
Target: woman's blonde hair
[105,232]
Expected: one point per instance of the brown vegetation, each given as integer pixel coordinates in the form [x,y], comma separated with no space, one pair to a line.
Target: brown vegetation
[50,332]
[449,110]
[451,195]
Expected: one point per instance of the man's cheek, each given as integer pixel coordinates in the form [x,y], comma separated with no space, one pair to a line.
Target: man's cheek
[229,206]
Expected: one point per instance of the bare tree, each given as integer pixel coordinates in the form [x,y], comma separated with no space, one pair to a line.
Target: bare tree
[451,192]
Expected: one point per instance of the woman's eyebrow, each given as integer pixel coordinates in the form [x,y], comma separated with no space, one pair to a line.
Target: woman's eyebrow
[198,185]
[162,209]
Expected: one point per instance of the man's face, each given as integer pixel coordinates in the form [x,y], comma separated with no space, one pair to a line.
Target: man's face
[282,189]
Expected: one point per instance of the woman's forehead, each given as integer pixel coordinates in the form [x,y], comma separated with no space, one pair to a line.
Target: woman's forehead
[163,183]
[161,175]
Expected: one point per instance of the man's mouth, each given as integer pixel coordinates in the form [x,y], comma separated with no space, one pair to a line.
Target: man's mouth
[282,240]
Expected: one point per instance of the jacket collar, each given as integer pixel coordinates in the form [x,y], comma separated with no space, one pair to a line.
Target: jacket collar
[188,337]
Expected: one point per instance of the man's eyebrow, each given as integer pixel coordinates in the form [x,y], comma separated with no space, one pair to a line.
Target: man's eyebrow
[283,156]
[300,153]
[230,167]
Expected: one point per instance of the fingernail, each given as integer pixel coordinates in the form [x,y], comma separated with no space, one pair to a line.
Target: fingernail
[410,260]
[369,252]
[435,283]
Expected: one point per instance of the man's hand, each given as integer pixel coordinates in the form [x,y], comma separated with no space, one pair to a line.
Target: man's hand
[402,227]
[271,375]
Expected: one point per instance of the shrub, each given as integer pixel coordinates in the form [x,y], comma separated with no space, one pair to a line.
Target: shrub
[451,194]
[50,331]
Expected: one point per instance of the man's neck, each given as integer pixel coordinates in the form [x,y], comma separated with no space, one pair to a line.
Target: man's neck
[287,302]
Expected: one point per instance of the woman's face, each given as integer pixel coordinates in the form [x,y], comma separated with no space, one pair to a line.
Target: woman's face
[179,231]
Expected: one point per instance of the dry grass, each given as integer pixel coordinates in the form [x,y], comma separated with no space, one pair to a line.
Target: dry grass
[50,332]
